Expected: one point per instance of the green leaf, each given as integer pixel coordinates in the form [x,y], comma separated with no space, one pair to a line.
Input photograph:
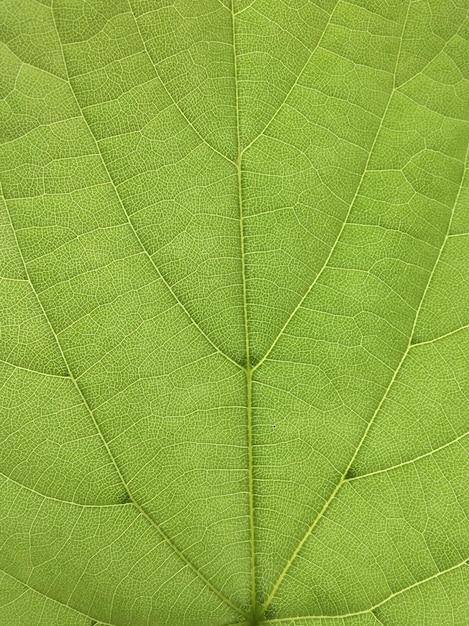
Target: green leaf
[234,350]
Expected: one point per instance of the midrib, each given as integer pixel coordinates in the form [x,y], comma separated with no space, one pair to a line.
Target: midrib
[247,367]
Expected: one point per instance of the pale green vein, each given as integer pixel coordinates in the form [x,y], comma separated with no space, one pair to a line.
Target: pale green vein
[248,6]
[31,371]
[336,242]
[327,503]
[97,427]
[435,339]
[43,595]
[173,100]
[343,478]
[377,618]
[131,224]
[442,49]
[59,500]
[418,583]
[295,82]
[410,461]
[249,368]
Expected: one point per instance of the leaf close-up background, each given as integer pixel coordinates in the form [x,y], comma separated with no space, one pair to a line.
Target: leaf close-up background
[234,293]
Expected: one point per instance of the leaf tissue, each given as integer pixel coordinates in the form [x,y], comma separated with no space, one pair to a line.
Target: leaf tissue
[234,286]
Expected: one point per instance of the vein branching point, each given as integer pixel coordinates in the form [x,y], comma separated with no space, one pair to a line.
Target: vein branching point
[234,332]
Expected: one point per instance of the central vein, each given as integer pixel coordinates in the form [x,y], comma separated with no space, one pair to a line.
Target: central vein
[248,366]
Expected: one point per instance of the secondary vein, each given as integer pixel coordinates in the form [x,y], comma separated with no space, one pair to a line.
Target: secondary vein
[43,595]
[418,583]
[100,433]
[199,574]
[343,478]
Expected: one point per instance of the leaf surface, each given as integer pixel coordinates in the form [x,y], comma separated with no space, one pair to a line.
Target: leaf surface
[234,351]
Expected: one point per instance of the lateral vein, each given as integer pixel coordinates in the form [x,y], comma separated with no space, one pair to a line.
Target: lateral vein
[373,418]
[86,404]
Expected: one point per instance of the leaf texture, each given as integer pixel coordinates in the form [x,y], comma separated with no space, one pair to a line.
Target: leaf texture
[234,350]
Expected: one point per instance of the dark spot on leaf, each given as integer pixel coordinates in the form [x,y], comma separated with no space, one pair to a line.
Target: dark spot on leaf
[242,361]
[351,473]
[270,613]
[259,616]
[255,360]
[125,498]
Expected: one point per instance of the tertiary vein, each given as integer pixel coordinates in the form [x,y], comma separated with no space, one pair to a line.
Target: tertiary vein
[46,597]
[295,82]
[100,433]
[418,583]
[84,400]
[343,478]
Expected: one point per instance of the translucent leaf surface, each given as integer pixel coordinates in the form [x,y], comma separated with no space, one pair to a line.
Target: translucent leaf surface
[234,350]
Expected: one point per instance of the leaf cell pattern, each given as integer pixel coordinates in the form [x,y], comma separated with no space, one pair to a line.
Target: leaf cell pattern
[234,349]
